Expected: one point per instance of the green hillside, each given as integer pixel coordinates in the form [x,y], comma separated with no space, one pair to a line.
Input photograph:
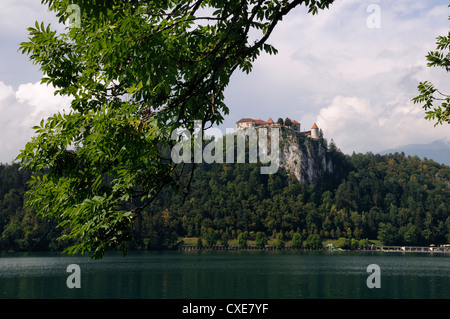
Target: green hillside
[398,199]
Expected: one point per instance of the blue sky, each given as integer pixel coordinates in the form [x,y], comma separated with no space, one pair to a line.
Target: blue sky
[355,82]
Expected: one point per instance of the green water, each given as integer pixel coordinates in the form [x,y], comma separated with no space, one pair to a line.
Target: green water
[227,274]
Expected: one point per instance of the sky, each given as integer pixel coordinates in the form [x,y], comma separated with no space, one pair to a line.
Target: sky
[352,69]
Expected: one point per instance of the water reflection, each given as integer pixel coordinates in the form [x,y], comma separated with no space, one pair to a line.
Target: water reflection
[233,274]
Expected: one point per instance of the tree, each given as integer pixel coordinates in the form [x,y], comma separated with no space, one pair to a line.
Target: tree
[357,233]
[136,71]
[429,95]
[242,241]
[297,241]
[224,239]
[412,236]
[288,122]
[261,240]
[314,241]
[354,244]
[211,236]
[280,121]
[279,241]
[199,243]
[363,244]
[387,234]
[344,243]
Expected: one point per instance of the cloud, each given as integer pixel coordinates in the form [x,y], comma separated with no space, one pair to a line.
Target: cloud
[356,82]
[9,128]
[41,102]
[22,109]
[355,124]
[15,17]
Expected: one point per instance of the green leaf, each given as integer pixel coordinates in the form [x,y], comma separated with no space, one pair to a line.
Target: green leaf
[134,73]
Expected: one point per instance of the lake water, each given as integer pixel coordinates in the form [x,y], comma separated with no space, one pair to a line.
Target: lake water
[227,275]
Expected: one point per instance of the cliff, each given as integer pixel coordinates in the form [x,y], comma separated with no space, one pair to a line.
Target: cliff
[306,158]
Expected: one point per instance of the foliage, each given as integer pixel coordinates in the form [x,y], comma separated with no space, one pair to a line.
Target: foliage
[297,242]
[136,71]
[344,243]
[20,229]
[199,243]
[401,200]
[429,95]
[211,236]
[224,239]
[388,234]
[242,241]
[314,241]
[279,243]
[379,196]
[261,240]
[288,122]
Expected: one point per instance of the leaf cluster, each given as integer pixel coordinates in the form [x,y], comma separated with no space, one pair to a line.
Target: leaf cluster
[435,103]
[135,70]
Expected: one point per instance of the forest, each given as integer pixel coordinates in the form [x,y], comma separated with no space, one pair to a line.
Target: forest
[396,199]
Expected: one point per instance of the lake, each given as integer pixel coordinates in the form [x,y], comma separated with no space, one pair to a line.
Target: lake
[227,275]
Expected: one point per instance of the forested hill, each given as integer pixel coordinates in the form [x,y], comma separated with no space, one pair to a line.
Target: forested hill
[395,198]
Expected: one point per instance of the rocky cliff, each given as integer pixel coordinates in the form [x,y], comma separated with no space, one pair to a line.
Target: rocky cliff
[306,158]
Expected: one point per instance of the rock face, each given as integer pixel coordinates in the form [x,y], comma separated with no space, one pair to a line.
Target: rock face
[306,158]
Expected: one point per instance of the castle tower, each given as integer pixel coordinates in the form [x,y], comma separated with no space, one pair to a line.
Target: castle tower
[315,131]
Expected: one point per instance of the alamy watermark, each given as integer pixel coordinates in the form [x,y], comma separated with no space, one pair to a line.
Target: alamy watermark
[374,19]
[374,280]
[258,146]
[74,279]
[74,20]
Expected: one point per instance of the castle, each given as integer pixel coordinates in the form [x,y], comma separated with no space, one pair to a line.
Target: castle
[249,122]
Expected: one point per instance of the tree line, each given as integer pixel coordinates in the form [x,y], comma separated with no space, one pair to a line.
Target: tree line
[398,199]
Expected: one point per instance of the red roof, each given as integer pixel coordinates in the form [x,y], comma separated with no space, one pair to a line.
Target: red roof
[245,119]
[260,122]
[294,122]
[314,126]
[270,121]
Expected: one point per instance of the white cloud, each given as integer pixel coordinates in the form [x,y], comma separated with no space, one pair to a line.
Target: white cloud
[355,82]
[41,100]
[22,109]
[10,128]
[357,125]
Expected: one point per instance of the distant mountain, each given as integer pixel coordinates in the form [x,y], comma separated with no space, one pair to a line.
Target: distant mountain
[438,151]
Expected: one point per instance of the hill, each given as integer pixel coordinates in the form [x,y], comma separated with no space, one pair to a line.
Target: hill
[396,198]
[399,199]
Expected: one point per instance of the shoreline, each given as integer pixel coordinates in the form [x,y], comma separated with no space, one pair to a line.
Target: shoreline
[404,249]
[251,247]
